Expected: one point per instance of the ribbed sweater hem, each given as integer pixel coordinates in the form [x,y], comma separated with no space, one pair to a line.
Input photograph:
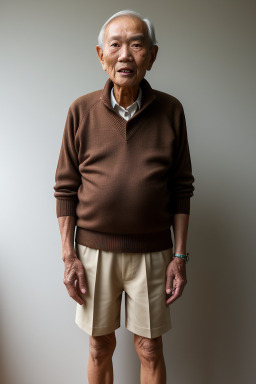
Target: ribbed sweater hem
[148,242]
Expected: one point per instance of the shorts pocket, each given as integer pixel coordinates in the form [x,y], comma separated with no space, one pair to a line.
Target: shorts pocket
[80,250]
[167,254]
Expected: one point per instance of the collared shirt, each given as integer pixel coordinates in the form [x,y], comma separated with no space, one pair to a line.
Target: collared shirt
[129,111]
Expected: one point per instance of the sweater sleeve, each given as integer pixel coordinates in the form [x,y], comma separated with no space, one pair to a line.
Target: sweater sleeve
[182,178]
[67,176]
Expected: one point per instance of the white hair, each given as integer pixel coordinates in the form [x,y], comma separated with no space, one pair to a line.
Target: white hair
[130,12]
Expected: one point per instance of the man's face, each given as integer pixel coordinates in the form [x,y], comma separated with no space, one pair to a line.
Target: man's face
[126,46]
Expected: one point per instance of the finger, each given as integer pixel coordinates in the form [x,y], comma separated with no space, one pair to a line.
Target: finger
[78,290]
[174,296]
[73,294]
[177,292]
[169,283]
[81,280]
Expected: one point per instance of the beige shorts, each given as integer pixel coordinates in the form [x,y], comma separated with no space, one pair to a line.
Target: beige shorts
[141,275]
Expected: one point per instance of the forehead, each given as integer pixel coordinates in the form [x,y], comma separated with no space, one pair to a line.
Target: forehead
[125,26]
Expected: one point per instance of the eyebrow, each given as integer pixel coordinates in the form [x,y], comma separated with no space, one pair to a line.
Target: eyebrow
[140,37]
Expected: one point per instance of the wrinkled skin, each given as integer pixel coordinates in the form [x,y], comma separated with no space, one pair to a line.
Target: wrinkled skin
[74,278]
[176,279]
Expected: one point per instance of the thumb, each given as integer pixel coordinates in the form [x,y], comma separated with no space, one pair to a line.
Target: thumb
[168,285]
[81,281]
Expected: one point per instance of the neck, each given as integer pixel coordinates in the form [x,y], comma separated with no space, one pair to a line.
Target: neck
[125,96]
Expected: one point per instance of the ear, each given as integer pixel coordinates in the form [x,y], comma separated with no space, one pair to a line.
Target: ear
[153,54]
[99,51]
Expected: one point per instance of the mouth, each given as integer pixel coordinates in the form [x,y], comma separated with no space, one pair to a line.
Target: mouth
[126,71]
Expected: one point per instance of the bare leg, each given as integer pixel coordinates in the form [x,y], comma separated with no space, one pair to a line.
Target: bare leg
[150,352]
[100,366]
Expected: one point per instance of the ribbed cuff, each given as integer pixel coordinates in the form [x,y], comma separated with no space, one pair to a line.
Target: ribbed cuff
[65,207]
[182,205]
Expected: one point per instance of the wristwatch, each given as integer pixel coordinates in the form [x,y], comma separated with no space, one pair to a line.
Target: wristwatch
[183,257]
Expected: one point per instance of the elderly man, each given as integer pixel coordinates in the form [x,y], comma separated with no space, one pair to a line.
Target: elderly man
[123,179]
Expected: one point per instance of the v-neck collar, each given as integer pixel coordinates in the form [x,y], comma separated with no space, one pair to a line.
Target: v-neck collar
[119,122]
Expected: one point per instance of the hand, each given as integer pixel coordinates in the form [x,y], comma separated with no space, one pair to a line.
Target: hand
[175,279]
[74,277]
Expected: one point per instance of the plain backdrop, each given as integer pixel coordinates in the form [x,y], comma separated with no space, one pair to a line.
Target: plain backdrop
[207,60]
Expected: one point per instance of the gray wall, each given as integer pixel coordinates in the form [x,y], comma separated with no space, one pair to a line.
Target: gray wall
[207,60]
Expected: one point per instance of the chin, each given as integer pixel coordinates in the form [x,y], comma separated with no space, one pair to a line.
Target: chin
[124,83]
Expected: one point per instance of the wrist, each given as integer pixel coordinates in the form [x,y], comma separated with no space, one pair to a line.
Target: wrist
[181,250]
[68,253]
[68,247]
[182,256]
[178,260]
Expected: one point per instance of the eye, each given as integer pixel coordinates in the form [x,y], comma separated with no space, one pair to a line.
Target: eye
[137,45]
[114,45]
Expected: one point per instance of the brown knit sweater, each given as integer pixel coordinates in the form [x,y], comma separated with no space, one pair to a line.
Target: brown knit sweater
[124,180]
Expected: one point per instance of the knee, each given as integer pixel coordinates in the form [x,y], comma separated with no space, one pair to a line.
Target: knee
[102,347]
[148,350]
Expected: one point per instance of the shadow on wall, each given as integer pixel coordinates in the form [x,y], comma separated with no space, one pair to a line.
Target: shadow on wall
[207,319]
[3,371]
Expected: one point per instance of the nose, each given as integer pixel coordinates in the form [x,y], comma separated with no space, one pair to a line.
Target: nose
[125,53]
